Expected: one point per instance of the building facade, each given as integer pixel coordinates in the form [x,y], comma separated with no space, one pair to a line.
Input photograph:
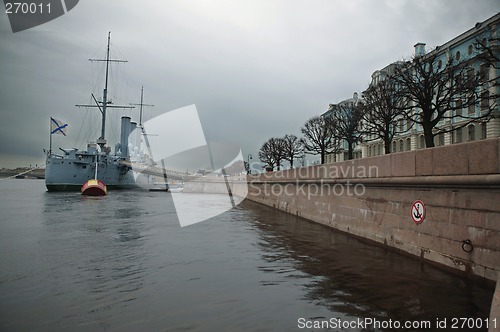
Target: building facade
[343,106]
[461,50]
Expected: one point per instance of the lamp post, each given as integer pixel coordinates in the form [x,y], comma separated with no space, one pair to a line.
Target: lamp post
[248,163]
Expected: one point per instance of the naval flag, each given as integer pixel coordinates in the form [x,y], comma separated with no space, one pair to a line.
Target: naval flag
[57,127]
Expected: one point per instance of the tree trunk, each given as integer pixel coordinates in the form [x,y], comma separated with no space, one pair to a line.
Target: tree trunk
[322,157]
[387,145]
[428,135]
[350,150]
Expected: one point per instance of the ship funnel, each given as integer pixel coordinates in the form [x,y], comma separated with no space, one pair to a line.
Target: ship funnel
[133,134]
[132,140]
[125,131]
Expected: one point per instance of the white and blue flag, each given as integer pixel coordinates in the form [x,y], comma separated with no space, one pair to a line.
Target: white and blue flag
[57,127]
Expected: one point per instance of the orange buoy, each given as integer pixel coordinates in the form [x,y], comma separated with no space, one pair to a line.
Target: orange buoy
[94,188]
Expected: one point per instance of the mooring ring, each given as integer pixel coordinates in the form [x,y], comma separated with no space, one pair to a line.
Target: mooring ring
[467,246]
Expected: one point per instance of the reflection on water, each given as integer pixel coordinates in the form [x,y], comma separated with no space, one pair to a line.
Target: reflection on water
[123,263]
[95,252]
[357,279]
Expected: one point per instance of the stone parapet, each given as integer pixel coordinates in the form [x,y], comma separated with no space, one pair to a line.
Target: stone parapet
[472,158]
[372,198]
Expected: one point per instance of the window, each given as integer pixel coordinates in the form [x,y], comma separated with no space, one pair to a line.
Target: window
[440,64]
[484,72]
[485,100]
[441,139]
[408,144]
[471,105]
[380,149]
[422,141]
[471,133]
[394,147]
[401,146]
[471,48]
[457,55]
[470,74]
[458,135]
[484,130]
[458,82]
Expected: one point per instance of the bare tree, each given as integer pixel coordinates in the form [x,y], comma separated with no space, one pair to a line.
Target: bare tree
[383,118]
[318,137]
[279,150]
[272,152]
[347,123]
[266,155]
[302,159]
[488,51]
[246,166]
[293,148]
[437,92]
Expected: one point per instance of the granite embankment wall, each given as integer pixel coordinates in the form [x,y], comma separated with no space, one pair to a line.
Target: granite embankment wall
[372,198]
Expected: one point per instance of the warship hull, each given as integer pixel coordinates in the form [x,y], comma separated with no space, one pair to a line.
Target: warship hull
[69,174]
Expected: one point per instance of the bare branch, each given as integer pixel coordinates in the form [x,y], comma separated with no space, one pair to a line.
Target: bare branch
[438,93]
[347,123]
[318,137]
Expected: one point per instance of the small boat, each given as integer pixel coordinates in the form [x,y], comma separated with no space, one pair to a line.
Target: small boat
[94,188]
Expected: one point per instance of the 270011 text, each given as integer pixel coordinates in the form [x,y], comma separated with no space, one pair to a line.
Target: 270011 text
[26,8]
[473,323]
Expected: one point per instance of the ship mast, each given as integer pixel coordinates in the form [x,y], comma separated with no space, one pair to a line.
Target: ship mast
[101,141]
[141,104]
[140,122]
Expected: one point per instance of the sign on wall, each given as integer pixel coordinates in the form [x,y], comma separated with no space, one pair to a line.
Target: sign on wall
[418,211]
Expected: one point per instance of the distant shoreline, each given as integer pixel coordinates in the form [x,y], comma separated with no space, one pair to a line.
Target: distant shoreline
[38,173]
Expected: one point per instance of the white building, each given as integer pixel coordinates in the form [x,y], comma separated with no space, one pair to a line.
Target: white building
[463,50]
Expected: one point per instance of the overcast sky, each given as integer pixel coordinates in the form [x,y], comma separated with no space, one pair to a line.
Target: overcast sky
[254,68]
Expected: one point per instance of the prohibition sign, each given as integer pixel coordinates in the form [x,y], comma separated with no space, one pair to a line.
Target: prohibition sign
[418,211]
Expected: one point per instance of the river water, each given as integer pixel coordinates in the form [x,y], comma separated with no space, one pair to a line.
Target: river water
[123,263]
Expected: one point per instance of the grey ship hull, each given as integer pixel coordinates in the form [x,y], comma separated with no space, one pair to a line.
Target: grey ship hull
[71,169]
[70,172]
[70,175]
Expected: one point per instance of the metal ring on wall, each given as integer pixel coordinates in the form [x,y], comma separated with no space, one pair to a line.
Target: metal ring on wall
[467,246]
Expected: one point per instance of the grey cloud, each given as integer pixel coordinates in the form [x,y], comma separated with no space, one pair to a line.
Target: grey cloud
[254,69]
